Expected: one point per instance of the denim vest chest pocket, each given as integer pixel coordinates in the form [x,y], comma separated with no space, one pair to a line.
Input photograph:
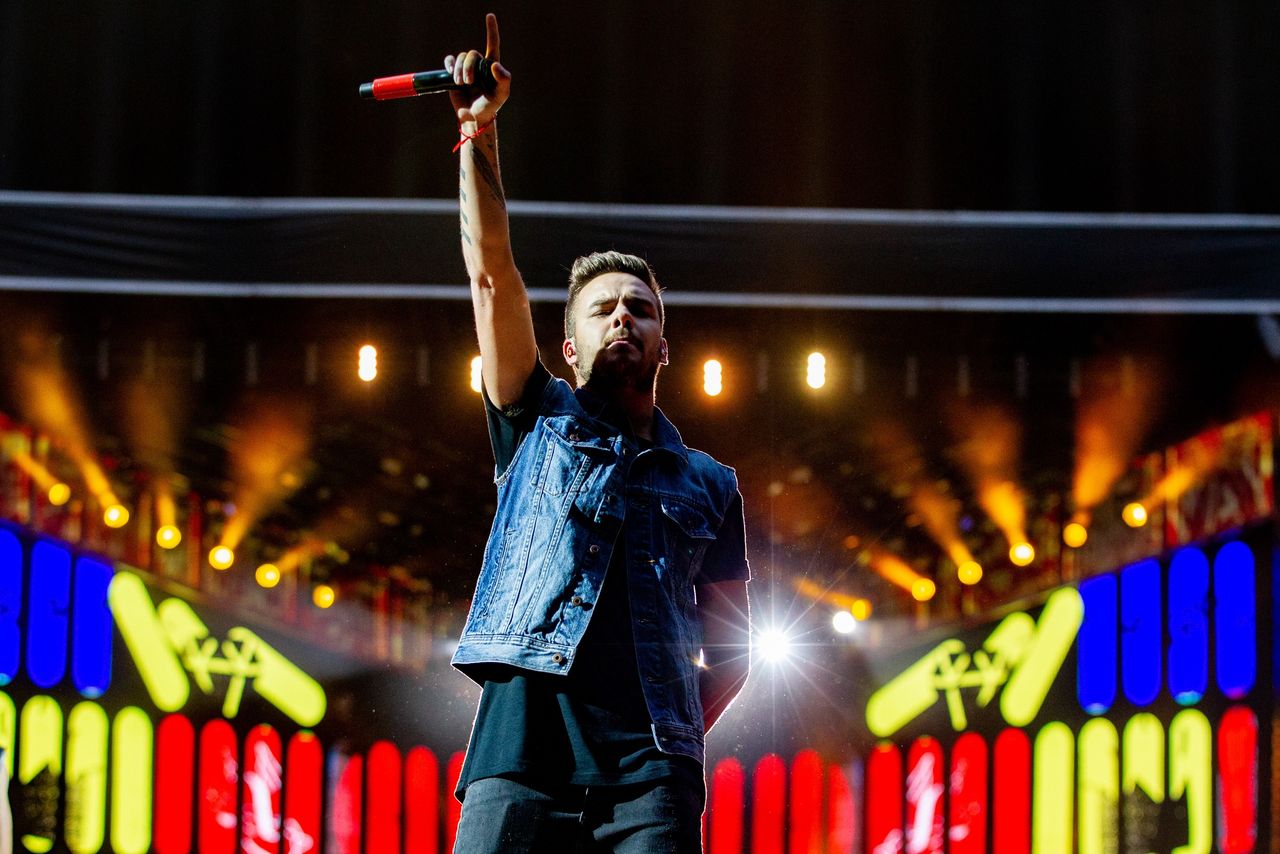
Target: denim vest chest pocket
[572,452]
[689,528]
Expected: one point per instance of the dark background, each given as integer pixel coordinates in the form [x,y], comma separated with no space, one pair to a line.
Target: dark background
[1010,105]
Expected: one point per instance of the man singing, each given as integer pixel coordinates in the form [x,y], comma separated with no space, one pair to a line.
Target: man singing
[609,623]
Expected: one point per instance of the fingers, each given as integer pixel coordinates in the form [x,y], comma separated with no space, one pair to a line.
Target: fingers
[491,41]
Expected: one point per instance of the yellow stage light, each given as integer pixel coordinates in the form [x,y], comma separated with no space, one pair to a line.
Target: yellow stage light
[969,572]
[712,377]
[268,575]
[368,364]
[861,609]
[923,589]
[1134,515]
[59,494]
[221,557]
[1075,535]
[168,536]
[323,595]
[816,371]
[115,516]
[843,622]
[475,374]
[1022,554]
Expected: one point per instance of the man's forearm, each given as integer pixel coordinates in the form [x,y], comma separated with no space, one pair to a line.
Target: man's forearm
[718,686]
[486,236]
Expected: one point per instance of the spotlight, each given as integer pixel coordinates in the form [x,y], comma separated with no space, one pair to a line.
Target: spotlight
[774,645]
[843,622]
[1075,535]
[221,557]
[923,589]
[969,572]
[861,609]
[59,494]
[475,374]
[712,377]
[168,536]
[367,369]
[268,575]
[1134,515]
[1022,554]
[816,372]
[115,516]
[323,595]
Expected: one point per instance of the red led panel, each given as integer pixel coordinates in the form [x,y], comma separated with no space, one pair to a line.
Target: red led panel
[175,781]
[924,797]
[968,784]
[1011,793]
[452,809]
[725,811]
[842,816]
[303,785]
[421,802]
[1238,781]
[884,800]
[382,821]
[768,793]
[219,775]
[345,806]
[806,804]
[263,782]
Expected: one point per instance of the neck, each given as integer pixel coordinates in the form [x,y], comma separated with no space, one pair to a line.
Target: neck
[635,403]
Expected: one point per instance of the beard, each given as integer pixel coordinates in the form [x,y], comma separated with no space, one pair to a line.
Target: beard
[608,371]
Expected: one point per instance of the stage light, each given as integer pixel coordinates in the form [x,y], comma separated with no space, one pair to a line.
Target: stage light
[59,494]
[115,516]
[816,371]
[1075,535]
[1022,554]
[969,572]
[475,374]
[268,575]
[843,622]
[323,596]
[923,589]
[861,609]
[221,557]
[368,364]
[774,645]
[168,536]
[712,377]
[1134,515]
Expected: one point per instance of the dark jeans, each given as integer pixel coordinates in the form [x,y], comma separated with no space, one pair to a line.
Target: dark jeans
[501,816]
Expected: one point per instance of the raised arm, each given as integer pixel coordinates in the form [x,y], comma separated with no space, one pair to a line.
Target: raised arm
[504,325]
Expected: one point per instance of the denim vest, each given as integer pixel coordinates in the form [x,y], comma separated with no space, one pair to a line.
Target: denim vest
[561,507]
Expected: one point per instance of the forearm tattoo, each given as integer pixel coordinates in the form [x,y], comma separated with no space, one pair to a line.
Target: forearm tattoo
[488,174]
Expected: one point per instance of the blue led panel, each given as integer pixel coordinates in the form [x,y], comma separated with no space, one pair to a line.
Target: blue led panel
[1188,626]
[10,605]
[1140,631]
[91,629]
[1234,619]
[48,608]
[1096,645]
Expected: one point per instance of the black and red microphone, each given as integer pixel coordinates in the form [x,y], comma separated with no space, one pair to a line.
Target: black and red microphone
[425,83]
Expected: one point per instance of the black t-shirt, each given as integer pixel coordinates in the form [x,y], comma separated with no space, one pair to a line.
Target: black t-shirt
[590,727]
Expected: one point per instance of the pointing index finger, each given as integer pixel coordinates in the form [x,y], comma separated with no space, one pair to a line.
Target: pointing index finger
[491,41]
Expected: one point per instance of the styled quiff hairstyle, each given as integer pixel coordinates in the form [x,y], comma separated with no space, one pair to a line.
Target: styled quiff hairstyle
[589,267]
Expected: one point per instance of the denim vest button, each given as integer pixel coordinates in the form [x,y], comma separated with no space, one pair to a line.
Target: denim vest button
[593,549]
[557,658]
[576,600]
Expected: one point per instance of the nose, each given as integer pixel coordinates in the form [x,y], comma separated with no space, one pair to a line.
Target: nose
[622,318]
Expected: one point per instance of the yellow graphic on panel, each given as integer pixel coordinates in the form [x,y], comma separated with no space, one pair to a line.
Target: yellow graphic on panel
[170,643]
[1021,655]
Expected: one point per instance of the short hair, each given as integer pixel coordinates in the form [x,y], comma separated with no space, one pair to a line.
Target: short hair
[590,267]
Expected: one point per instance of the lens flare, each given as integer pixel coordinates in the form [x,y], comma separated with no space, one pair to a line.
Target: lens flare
[843,622]
[168,536]
[475,375]
[323,596]
[268,575]
[861,609]
[367,366]
[1134,515]
[816,370]
[221,557]
[969,572]
[115,516]
[774,645]
[712,377]
[1022,554]
[1075,535]
[923,589]
[59,494]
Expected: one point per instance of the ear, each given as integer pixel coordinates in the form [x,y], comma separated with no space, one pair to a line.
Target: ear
[664,354]
[570,352]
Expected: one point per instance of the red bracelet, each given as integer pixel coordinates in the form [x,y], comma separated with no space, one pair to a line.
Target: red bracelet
[467,137]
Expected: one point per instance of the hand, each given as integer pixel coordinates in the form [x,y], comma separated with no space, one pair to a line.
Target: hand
[472,103]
